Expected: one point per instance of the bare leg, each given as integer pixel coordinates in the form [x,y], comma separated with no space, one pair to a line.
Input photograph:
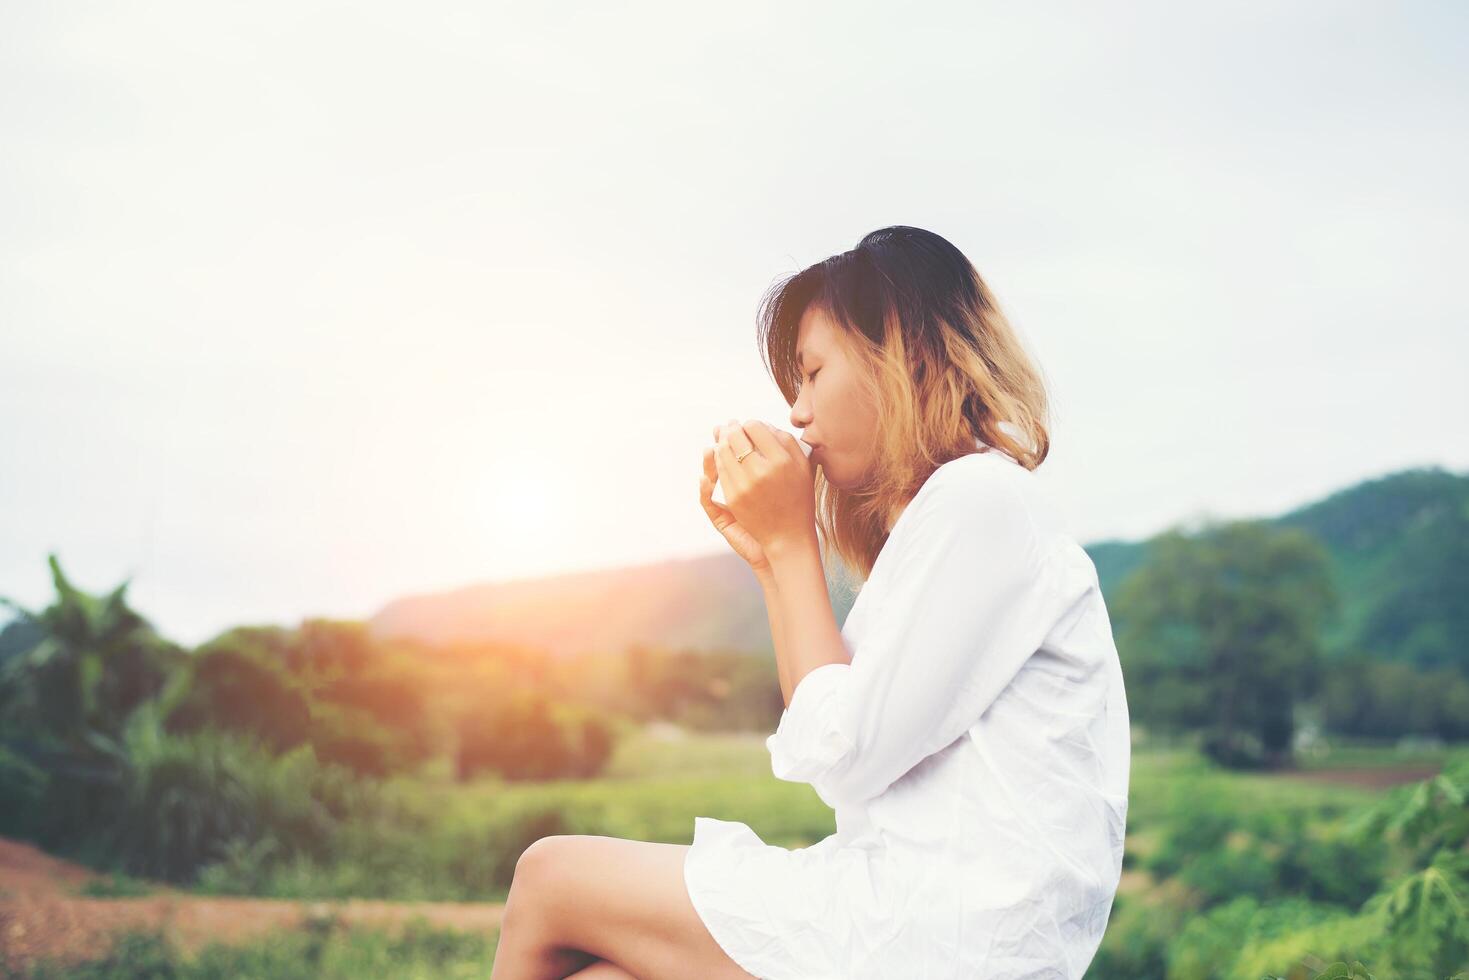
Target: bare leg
[585,902]
[528,949]
[602,970]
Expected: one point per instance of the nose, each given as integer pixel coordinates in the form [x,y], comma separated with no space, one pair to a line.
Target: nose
[800,416]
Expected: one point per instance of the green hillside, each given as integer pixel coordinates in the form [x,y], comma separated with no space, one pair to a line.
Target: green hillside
[1399,548]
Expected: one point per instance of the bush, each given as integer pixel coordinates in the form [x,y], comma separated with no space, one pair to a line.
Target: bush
[240,690]
[1210,945]
[189,796]
[201,798]
[22,789]
[116,885]
[531,737]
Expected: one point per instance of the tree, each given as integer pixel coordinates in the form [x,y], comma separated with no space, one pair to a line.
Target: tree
[1221,632]
[94,660]
[65,700]
[235,687]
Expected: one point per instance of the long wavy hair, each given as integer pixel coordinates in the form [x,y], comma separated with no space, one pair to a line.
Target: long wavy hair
[941,361]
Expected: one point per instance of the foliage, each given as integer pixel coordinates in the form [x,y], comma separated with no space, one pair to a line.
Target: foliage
[1221,633]
[23,788]
[237,688]
[1267,892]
[327,949]
[1208,945]
[65,703]
[1398,548]
[1426,911]
[326,683]
[189,796]
[1364,696]
[1421,615]
[306,763]
[530,737]
[116,885]
[1223,853]
[95,660]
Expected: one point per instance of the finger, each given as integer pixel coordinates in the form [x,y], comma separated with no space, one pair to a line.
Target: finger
[739,440]
[762,435]
[709,452]
[730,476]
[791,443]
[706,492]
[783,440]
[719,516]
[719,431]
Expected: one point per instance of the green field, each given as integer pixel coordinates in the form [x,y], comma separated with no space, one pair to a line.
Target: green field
[1226,874]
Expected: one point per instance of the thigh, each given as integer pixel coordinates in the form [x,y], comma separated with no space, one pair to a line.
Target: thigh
[624,901]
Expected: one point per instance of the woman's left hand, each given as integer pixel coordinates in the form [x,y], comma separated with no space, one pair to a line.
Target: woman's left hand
[772,491]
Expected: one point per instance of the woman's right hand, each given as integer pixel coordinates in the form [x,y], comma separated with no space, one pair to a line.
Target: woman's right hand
[743,543]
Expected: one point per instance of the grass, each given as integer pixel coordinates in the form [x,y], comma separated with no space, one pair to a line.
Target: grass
[449,841]
[328,950]
[116,885]
[436,839]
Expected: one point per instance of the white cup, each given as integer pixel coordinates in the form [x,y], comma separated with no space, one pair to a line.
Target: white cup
[717,494]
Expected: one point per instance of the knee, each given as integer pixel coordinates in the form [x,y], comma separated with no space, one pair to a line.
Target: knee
[539,865]
[535,858]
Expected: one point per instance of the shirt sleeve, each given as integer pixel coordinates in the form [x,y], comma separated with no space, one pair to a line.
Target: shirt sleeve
[974,589]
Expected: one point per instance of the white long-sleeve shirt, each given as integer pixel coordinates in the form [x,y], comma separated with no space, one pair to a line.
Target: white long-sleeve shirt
[976,751]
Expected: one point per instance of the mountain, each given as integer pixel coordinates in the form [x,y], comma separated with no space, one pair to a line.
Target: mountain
[1399,549]
[1400,561]
[1399,546]
[711,602]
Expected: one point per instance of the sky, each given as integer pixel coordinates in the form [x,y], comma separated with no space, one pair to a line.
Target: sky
[306,306]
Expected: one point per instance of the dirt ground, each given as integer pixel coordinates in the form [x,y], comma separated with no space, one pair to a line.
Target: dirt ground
[1375,777]
[42,915]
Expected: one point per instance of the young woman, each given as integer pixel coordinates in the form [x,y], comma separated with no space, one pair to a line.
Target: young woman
[967,723]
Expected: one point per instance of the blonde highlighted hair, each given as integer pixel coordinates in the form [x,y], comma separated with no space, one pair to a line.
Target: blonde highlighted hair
[939,359]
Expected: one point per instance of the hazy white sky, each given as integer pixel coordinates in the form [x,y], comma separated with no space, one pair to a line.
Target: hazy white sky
[304,306]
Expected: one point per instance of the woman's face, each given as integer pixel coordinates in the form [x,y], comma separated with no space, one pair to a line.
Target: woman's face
[836,414]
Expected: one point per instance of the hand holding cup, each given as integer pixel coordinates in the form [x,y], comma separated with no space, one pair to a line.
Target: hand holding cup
[765,497]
